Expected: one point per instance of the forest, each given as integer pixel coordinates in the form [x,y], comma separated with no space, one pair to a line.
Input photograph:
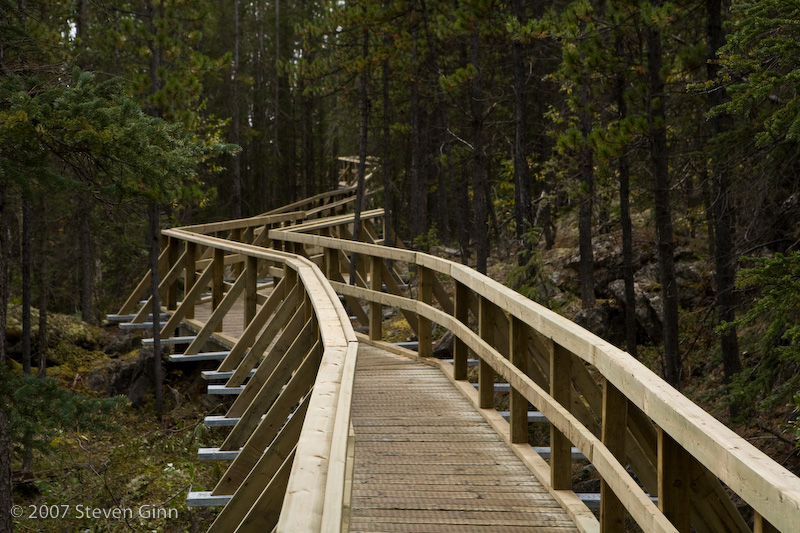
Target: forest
[502,130]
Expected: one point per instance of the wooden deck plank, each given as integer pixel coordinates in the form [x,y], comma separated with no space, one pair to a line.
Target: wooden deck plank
[425,460]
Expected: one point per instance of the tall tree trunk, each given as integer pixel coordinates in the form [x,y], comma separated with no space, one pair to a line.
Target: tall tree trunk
[724,251]
[43,287]
[86,259]
[623,166]
[418,198]
[5,252]
[479,178]
[386,148]
[154,215]
[363,109]
[6,485]
[586,206]
[26,283]
[236,207]
[659,159]
[522,194]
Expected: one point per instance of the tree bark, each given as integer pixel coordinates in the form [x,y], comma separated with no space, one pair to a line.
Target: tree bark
[43,288]
[5,251]
[85,250]
[522,194]
[154,214]
[625,221]
[386,149]
[363,109]
[659,159]
[724,250]
[6,486]
[236,204]
[479,178]
[586,205]
[418,199]
[26,283]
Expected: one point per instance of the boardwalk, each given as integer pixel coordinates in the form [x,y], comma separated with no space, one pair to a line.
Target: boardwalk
[427,461]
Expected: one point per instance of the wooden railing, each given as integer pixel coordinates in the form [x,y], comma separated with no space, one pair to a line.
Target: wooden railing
[663,461]
[290,438]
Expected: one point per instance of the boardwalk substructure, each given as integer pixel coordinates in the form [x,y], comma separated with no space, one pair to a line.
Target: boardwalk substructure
[425,460]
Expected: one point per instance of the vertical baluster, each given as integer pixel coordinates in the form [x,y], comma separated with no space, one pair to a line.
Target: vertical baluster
[518,404]
[614,432]
[250,294]
[462,315]
[561,391]
[190,274]
[375,310]
[424,326]
[218,283]
[674,471]
[172,290]
[760,524]
[485,372]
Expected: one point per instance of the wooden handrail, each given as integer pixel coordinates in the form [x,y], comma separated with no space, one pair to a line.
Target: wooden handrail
[619,416]
[771,490]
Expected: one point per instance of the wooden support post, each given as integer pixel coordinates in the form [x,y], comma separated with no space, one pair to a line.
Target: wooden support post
[172,290]
[248,235]
[561,391]
[250,294]
[375,310]
[190,274]
[485,372]
[760,524]
[218,281]
[424,326]
[236,235]
[460,350]
[518,404]
[674,481]
[331,263]
[614,432]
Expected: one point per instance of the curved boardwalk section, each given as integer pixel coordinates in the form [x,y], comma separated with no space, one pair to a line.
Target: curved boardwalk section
[426,460]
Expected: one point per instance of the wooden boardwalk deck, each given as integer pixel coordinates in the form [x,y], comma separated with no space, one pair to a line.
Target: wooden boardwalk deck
[426,460]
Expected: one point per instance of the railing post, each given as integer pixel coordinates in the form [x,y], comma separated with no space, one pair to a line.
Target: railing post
[760,524]
[375,310]
[218,281]
[236,236]
[485,371]
[614,432]
[424,326]
[674,481]
[518,404]
[461,311]
[172,290]
[250,294]
[561,391]
[190,275]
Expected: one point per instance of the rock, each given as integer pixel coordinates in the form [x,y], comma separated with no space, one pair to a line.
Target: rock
[605,320]
[648,310]
[133,379]
[123,344]
[444,348]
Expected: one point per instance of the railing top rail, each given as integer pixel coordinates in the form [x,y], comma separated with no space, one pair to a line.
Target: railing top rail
[259,220]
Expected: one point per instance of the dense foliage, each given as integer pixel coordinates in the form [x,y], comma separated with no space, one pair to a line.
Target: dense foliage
[494,122]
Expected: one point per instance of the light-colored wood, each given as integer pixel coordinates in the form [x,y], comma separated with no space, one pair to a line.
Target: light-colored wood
[485,371]
[561,392]
[424,326]
[518,405]
[217,283]
[248,337]
[461,314]
[266,511]
[250,289]
[173,258]
[674,479]
[214,323]
[133,300]
[615,430]
[375,311]
[424,457]
[186,309]
[190,274]
[762,526]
